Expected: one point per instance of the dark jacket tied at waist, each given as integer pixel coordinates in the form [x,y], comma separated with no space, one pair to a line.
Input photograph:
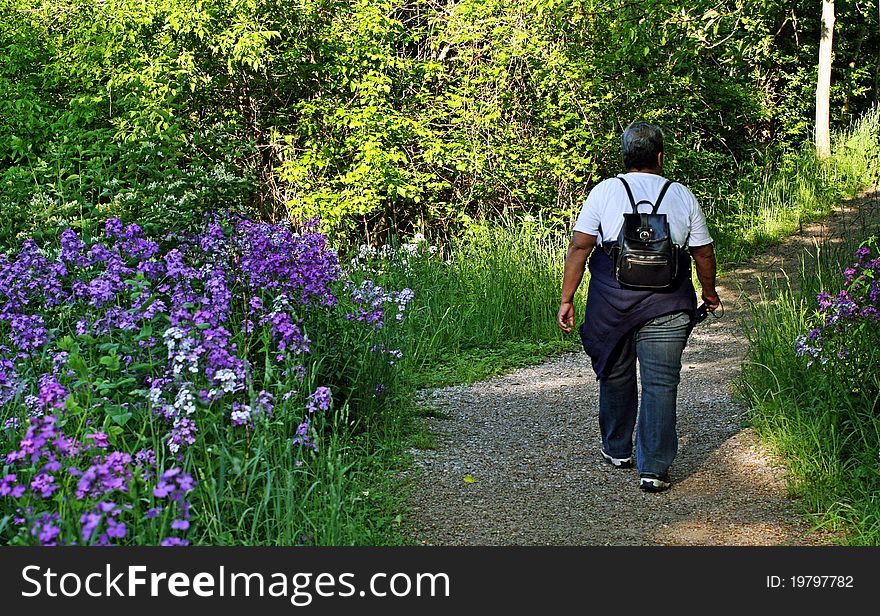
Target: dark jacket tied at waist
[612,312]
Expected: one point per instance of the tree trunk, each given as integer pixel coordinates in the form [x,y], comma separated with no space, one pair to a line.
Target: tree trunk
[823,86]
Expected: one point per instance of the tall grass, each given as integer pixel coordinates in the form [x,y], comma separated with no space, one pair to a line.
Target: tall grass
[484,303]
[827,431]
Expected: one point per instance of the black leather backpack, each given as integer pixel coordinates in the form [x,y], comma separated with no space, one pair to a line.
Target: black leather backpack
[645,257]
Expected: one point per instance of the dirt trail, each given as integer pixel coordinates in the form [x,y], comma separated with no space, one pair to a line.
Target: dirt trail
[529,442]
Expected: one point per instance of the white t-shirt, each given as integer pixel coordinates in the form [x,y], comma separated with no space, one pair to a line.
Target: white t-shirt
[608,202]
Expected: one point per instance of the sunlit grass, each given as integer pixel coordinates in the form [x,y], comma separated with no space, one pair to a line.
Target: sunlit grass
[828,434]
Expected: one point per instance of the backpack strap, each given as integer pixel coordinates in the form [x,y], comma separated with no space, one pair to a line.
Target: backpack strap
[661,195]
[629,194]
[654,206]
[635,205]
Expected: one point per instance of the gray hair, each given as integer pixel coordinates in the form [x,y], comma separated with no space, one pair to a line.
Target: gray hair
[641,144]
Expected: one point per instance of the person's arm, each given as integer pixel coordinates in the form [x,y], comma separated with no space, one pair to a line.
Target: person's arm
[704,259]
[579,250]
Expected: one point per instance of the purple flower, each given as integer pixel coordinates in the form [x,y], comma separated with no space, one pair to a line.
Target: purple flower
[46,530]
[303,435]
[108,474]
[52,393]
[180,524]
[88,522]
[115,529]
[183,433]
[72,248]
[163,489]
[28,332]
[101,439]
[8,486]
[145,461]
[174,483]
[113,227]
[174,541]
[37,441]
[320,399]
[241,414]
[44,484]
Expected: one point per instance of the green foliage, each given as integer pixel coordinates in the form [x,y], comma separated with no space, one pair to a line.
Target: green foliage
[793,192]
[386,117]
[483,303]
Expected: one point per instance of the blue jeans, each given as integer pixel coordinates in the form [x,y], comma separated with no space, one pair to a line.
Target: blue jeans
[658,345]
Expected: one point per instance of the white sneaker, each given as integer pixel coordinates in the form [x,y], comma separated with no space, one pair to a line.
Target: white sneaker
[617,462]
[653,483]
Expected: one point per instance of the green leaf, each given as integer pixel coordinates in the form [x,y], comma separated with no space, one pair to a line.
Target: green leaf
[120,419]
[79,366]
[111,361]
[67,343]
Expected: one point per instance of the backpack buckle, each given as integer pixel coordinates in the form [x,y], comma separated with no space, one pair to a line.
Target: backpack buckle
[645,233]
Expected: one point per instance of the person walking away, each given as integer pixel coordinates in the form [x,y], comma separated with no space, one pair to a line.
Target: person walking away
[623,325]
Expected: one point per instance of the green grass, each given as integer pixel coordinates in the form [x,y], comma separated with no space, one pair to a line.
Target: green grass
[828,434]
[343,495]
[484,304]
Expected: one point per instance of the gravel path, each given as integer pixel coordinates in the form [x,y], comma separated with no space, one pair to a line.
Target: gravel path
[517,463]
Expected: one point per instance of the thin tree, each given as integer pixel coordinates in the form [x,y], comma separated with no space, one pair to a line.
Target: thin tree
[823,86]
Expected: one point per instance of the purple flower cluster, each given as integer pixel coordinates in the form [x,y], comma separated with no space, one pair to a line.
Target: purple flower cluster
[320,399]
[303,436]
[107,474]
[174,484]
[106,512]
[46,529]
[247,414]
[119,328]
[29,282]
[847,318]
[128,284]
[54,460]
[299,267]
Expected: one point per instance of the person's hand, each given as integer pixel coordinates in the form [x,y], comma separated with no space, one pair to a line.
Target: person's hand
[712,301]
[565,318]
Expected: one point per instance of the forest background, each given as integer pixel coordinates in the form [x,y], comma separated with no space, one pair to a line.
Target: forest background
[462,135]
